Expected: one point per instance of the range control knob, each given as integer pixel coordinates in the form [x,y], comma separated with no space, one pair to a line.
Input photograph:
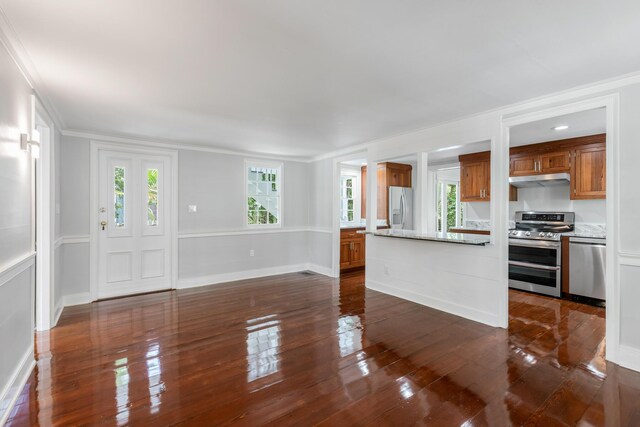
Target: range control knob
[541,234]
[528,233]
[551,235]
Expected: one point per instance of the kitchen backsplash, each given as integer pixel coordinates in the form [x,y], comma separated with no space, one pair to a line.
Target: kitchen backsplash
[477,225]
[594,229]
[580,228]
[362,223]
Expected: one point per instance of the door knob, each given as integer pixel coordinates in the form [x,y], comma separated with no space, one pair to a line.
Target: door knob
[103,224]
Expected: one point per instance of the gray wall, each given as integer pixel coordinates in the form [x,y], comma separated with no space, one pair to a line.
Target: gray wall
[215,184]
[321,212]
[16,291]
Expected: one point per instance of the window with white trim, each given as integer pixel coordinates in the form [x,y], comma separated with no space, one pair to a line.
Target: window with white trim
[450,211]
[263,181]
[348,198]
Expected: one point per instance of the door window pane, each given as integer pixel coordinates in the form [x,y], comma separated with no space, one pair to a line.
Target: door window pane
[118,195]
[152,197]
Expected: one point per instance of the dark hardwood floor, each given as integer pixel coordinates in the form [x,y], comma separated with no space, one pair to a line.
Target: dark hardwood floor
[303,349]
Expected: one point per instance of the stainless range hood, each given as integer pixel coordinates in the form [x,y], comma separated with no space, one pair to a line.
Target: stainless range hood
[548,180]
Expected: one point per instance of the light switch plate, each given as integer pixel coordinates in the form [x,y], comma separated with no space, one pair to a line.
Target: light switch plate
[193,208]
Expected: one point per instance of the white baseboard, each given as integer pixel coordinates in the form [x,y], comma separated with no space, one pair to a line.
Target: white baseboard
[326,271]
[439,304]
[193,282]
[76,299]
[629,357]
[18,379]
[58,313]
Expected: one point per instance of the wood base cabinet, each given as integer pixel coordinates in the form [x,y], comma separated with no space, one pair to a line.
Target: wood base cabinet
[352,249]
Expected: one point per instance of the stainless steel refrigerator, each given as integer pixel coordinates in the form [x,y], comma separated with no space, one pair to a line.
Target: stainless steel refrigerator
[401,208]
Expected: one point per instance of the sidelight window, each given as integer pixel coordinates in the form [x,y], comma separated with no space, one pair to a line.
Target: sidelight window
[119,196]
[152,197]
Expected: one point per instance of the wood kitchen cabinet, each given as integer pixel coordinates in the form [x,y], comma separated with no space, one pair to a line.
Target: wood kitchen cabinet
[523,164]
[475,177]
[388,175]
[474,181]
[584,158]
[540,163]
[352,249]
[589,174]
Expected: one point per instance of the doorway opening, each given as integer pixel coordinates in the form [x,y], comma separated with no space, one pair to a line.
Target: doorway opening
[352,214]
[43,219]
[560,243]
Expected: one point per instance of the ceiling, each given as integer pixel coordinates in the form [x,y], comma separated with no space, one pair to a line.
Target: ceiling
[580,124]
[302,78]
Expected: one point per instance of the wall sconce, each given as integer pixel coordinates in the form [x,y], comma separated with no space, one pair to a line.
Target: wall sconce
[26,144]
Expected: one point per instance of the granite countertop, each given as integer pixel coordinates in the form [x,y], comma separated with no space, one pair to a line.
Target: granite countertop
[457,238]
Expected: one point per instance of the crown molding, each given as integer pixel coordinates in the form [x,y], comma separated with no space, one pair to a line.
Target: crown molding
[177,145]
[14,47]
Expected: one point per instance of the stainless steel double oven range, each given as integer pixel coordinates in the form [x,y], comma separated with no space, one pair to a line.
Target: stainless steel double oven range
[535,251]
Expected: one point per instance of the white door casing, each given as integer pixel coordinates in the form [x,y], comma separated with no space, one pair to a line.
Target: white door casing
[135,248]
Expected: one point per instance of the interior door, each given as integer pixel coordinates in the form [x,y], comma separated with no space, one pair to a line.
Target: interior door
[134,254]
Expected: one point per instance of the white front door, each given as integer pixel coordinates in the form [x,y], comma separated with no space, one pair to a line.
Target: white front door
[134,244]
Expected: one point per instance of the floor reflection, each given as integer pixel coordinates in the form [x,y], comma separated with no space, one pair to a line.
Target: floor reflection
[349,334]
[122,380]
[263,345]
[154,376]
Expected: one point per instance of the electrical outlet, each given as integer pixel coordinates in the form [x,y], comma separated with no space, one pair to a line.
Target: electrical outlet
[251,252]
[193,208]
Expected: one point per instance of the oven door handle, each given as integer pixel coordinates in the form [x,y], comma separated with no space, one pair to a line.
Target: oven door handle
[533,243]
[536,266]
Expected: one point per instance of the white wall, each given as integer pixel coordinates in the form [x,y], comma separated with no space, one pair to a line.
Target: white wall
[627,229]
[213,244]
[477,211]
[16,239]
[57,294]
[558,199]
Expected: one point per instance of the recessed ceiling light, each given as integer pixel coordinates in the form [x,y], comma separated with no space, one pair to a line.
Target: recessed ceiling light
[561,127]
